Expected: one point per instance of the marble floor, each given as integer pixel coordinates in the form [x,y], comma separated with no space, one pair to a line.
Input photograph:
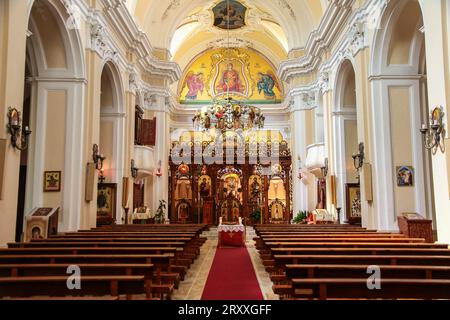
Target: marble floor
[192,287]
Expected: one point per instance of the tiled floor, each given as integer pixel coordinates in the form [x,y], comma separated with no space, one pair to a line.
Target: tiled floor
[192,287]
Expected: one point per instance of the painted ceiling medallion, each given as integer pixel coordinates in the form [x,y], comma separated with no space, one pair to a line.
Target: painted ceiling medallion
[229,15]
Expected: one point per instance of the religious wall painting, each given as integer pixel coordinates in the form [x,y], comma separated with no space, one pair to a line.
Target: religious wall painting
[231,78]
[229,15]
[195,82]
[241,73]
[267,82]
[405,176]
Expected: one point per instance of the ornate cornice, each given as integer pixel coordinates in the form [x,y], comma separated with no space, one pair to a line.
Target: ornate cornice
[124,25]
[353,37]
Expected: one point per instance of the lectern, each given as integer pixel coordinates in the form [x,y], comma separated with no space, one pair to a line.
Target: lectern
[41,223]
[415,226]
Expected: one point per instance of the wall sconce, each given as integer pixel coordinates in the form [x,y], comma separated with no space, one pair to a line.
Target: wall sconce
[14,125]
[325,168]
[434,135]
[301,174]
[134,170]
[158,171]
[358,158]
[98,158]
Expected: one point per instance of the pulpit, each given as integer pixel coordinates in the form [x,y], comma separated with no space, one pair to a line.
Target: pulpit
[231,235]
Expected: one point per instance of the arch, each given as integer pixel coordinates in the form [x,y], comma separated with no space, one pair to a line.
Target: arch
[69,36]
[56,89]
[382,41]
[345,128]
[112,127]
[398,101]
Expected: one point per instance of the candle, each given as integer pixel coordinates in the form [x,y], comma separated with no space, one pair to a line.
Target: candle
[424,126]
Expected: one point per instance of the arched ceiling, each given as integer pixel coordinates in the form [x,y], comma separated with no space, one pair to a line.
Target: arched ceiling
[185,27]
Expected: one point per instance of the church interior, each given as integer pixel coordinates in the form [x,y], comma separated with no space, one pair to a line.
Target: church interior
[224,149]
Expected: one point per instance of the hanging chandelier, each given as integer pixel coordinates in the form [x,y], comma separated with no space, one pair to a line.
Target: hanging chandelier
[228,114]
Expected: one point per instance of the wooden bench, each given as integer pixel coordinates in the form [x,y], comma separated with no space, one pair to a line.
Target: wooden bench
[360,271]
[90,285]
[361,251]
[354,245]
[357,289]
[282,260]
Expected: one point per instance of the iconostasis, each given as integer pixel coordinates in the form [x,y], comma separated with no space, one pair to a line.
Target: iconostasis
[203,193]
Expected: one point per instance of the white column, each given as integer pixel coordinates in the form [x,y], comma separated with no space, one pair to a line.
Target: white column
[298,124]
[437,42]
[162,149]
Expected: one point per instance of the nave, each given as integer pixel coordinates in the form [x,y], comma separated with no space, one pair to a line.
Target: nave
[224,149]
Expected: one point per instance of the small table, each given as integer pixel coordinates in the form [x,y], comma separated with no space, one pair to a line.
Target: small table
[231,235]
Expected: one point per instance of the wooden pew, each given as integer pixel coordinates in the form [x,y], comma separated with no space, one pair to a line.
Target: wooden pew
[357,289]
[91,285]
[360,271]
[282,260]
[354,245]
[361,251]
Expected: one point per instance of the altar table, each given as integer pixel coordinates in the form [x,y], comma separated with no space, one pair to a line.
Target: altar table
[231,235]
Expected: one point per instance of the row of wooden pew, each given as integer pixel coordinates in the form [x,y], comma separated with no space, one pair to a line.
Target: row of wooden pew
[348,262]
[115,262]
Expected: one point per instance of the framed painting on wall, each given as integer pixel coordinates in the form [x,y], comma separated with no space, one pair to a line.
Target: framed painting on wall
[106,203]
[405,176]
[52,181]
[353,202]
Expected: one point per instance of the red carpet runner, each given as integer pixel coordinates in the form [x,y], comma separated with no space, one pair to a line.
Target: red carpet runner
[232,277]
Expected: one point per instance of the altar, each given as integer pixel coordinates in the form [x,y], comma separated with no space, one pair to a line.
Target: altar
[231,235]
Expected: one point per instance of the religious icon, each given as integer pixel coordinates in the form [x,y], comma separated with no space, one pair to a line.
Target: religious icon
[205,187]
[255,189]
[183,212]
[353,201]
[405,176]
[231,16]
[195,83]
[276,211]
[266,84]
[52,181]
[36,233]
[230,81]
[106,199]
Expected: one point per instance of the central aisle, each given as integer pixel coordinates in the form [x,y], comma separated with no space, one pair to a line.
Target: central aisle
[232,277]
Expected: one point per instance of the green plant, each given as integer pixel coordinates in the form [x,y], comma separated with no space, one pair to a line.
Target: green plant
[161,212]
[256,215]
[301,217]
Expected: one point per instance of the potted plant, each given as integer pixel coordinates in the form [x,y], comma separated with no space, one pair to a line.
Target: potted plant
[255,216]
[301,217]
[161,212]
